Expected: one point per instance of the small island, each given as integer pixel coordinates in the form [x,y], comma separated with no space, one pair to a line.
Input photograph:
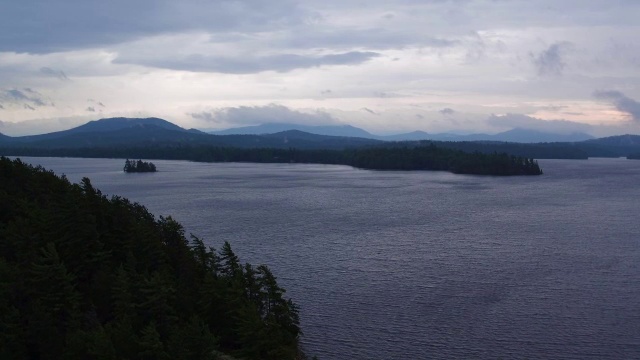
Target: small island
[138,166]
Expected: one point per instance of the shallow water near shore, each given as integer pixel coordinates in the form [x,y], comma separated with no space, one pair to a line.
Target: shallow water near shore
[421,265]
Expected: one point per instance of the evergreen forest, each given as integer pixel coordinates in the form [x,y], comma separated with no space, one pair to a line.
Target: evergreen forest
[398,157]
[138,166]
[84,276]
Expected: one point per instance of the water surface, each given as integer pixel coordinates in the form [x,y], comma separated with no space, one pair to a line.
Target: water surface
[421,265]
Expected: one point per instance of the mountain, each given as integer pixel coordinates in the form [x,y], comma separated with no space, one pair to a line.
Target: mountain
[613,146]
[306,139]
[412,136]
[104,126]
[125,132]
[271,128]
[112,124]
[514,135]
[619,140]
[535,136]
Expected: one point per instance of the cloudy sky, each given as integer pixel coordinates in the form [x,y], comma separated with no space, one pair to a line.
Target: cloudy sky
[386,66]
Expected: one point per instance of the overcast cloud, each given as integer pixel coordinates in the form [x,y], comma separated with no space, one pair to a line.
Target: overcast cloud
[622,102]
[256,115]
[383,66]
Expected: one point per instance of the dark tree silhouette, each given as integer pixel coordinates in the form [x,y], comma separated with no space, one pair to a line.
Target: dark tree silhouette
[83,276]
[138,166]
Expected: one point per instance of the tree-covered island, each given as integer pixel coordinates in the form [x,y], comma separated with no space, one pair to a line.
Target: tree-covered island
[83,276]
[397,157]
[138,166]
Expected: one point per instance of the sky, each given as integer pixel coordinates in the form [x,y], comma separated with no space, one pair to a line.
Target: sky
[389,66]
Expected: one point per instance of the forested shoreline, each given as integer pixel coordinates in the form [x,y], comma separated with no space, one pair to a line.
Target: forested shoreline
[84,276]
[421,157]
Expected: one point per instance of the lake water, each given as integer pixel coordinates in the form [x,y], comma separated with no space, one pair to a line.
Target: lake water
[421,265]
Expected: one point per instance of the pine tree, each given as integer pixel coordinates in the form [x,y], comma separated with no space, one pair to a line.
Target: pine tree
[150,345]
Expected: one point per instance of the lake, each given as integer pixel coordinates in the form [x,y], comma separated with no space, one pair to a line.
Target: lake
[421,265]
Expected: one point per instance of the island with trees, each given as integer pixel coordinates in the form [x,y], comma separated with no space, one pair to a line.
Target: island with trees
[84,276]
[400,156]
[138,166]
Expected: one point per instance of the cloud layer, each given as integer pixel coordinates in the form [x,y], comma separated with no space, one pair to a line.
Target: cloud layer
[380,65]
[256,115]
[248,64]
[622,103]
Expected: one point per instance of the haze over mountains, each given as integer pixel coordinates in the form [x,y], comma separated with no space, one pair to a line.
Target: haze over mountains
[159,133]
[514,135]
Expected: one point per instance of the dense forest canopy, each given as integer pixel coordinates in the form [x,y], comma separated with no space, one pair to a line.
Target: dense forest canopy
[397,157]
[139,166]
[83,276]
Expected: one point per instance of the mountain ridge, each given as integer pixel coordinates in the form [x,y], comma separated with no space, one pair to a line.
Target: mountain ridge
[155,131]
[514,135]
[159,133]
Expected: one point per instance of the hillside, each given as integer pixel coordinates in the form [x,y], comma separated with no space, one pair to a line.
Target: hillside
[514,135]
[619,140]
[119,132]
[89,277]
[272,128]
[125,133]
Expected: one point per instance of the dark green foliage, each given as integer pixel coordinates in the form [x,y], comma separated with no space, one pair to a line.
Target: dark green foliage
[393,156]
[138,166]
[87,277]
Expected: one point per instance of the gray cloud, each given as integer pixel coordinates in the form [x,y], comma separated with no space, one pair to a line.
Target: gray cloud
[376,38]
[55,26]
[248,65]
[527,122]
[25,96]
[253,115]
[91,109]
[16,95]
[550,62]
[1,107]
[60,75]
[622,103]
[447,111]
[66,25]
[29,107]
[554,108]
[369,111]
[93,101]
[204,115]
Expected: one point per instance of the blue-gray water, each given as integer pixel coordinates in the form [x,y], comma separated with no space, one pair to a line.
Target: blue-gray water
[422,265]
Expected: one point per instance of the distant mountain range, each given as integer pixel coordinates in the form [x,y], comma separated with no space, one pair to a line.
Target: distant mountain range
[272,128]
[158,133]
[514,135]
[130,132]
